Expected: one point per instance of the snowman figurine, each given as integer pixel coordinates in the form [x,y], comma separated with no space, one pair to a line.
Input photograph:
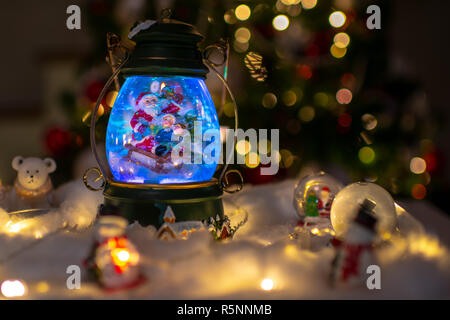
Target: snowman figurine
[113,260]
[354,254]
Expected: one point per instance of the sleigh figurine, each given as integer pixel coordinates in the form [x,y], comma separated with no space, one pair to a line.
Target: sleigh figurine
[159,164]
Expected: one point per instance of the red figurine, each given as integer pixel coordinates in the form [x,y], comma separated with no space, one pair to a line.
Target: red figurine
[354,254]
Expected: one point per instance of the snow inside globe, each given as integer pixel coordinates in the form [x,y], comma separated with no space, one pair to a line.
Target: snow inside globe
[163,130]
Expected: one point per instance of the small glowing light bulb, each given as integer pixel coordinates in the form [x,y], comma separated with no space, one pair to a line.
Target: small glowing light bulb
[242,12]
[42,287]
[337,19]
[280,22]
[123,255]
[15,227]
[13,288]
[267,284]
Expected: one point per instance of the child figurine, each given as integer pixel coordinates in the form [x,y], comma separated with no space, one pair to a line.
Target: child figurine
[354,254]
[164,136]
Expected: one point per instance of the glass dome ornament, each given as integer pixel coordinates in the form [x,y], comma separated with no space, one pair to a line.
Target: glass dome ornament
[349,200]
[313,196]
[147,112]
[163,136]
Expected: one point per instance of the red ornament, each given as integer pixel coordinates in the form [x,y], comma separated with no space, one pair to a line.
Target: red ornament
[434,161]
[345,120]
[58,142]
[254,176]
[303,71]
[93,90]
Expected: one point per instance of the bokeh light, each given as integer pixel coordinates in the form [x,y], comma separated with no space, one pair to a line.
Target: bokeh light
[289,98]
[242,12]
[111,98]
[42,287]
[308,4]
[345,120]
[280,22]
[287,158]
[294,10]
[252,160]
[243,147]
[269,100]
[306,114]
[13,288]
[267,284]
[240,46]
[337,52]
[417,165]
[418,191]
[337,19]
[369,121]
[304,71]
[290,2]
[321,99]
[366,155]
[341,40]
[432,161]
[348,80]
[344,96]
[242,35]
[230,17]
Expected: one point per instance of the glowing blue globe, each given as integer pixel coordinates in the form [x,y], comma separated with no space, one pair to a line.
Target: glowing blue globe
[163,130]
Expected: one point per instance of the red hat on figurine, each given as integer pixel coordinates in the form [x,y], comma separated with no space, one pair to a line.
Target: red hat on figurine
[326,189]
[143,94]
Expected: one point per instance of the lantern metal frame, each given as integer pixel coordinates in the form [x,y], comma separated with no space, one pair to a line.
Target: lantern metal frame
[147,202]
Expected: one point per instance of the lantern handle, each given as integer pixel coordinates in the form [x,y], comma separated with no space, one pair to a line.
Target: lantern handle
[94,116]
[236,121]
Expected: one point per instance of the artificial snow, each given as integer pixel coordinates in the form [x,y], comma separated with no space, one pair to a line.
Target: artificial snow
[414,264]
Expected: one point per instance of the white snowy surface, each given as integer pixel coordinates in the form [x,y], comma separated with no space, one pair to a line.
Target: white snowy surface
[414,266]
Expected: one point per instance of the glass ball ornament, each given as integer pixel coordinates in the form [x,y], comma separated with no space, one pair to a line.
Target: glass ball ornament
[314,194]
[349,200]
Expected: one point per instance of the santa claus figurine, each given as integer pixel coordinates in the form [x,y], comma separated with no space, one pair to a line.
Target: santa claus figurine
[354,253]
[324,202]
[147,110]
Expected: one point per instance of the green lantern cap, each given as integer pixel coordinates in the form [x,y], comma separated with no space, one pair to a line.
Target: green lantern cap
[166,47]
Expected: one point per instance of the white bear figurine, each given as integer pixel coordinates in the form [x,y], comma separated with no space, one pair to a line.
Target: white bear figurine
[33,186]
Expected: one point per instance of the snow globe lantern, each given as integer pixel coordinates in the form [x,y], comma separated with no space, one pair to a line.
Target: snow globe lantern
[163,136]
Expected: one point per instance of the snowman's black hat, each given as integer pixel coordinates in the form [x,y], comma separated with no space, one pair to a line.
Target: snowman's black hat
[365,216]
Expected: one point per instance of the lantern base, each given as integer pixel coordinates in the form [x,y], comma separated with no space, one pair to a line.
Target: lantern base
[148,203]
